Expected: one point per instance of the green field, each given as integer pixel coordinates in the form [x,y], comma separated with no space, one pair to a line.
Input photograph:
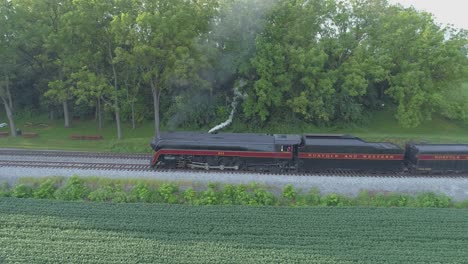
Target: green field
[381,126]
[42,231]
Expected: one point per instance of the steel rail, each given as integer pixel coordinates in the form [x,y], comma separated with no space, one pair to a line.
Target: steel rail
[48,153]
[147,168]
[75,165]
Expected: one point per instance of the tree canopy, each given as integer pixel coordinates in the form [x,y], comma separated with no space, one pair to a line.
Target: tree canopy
[325,62]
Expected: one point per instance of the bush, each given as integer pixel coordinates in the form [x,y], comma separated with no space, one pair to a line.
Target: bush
[103,194]
[331,199]
[5,190]
[289,192]
[209,197]
[74,189]
[46,190]
[142,192]
[229,194]
[398,200]
[433,200]
[364,198]
[22,191]
[120,196]
[313,198]
[379,200]
[168,193]
[462,204]
[242,197]
[263,197]
[190,196]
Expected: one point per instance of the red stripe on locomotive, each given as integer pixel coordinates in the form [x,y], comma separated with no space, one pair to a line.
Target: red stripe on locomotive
[222,153]
[441,157]
[351,156]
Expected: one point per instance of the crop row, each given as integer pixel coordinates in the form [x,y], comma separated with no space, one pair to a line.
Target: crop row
[36,231]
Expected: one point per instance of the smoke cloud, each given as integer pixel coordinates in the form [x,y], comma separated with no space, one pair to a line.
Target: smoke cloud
[237,96]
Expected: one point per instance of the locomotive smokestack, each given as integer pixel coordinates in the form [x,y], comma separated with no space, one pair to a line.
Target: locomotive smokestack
[237,96]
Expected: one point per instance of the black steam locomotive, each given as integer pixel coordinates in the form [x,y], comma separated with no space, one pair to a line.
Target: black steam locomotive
[301,153]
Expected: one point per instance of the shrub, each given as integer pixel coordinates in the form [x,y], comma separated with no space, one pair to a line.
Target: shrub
[363,198]
[209,197]
[331,199]
[46,190]
[5,190]
[263,197]
[313,198]
[345,201]
[190,196]
[289,192]
[142,192]
[168,193]
[379,200]
[74,189]
[120,196]
[242,197]
[398,200]
[229,194]
[103,194]
[433,200]
[462,204]
[22,191]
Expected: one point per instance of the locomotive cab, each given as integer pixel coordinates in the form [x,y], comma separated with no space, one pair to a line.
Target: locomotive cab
[288,143]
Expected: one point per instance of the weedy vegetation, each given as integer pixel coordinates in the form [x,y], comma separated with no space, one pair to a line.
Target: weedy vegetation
[96,189]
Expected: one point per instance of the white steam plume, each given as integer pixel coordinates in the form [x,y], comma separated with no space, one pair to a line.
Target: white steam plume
[237,95]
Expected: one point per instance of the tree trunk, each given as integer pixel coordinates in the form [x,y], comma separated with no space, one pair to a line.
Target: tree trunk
[133,115]
[132,105]
[156,94]
[99,113]
[10,101]
[116,88]
[117,120]
[66,114]
[10,117]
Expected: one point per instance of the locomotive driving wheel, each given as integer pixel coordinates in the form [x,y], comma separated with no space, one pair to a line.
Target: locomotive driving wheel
[239,164]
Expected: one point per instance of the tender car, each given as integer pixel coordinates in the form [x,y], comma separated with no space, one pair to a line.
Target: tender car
[437,157]
[344,152]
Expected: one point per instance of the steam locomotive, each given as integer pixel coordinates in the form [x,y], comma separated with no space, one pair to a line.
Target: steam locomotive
[302,153]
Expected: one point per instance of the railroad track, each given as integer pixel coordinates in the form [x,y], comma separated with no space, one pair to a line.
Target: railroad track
[336,173]
[48,153]
[75,165]
[147,168]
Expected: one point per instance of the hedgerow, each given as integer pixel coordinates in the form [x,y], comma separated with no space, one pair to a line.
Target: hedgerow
[150,191]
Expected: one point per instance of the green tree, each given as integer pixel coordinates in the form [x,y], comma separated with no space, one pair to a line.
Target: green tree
[59,48]
[160,37]
[426,62]
[9,22]
[329,61]
[97,52]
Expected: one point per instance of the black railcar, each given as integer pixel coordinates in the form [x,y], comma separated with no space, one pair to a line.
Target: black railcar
[344,152]
[437,157]
[237,151]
